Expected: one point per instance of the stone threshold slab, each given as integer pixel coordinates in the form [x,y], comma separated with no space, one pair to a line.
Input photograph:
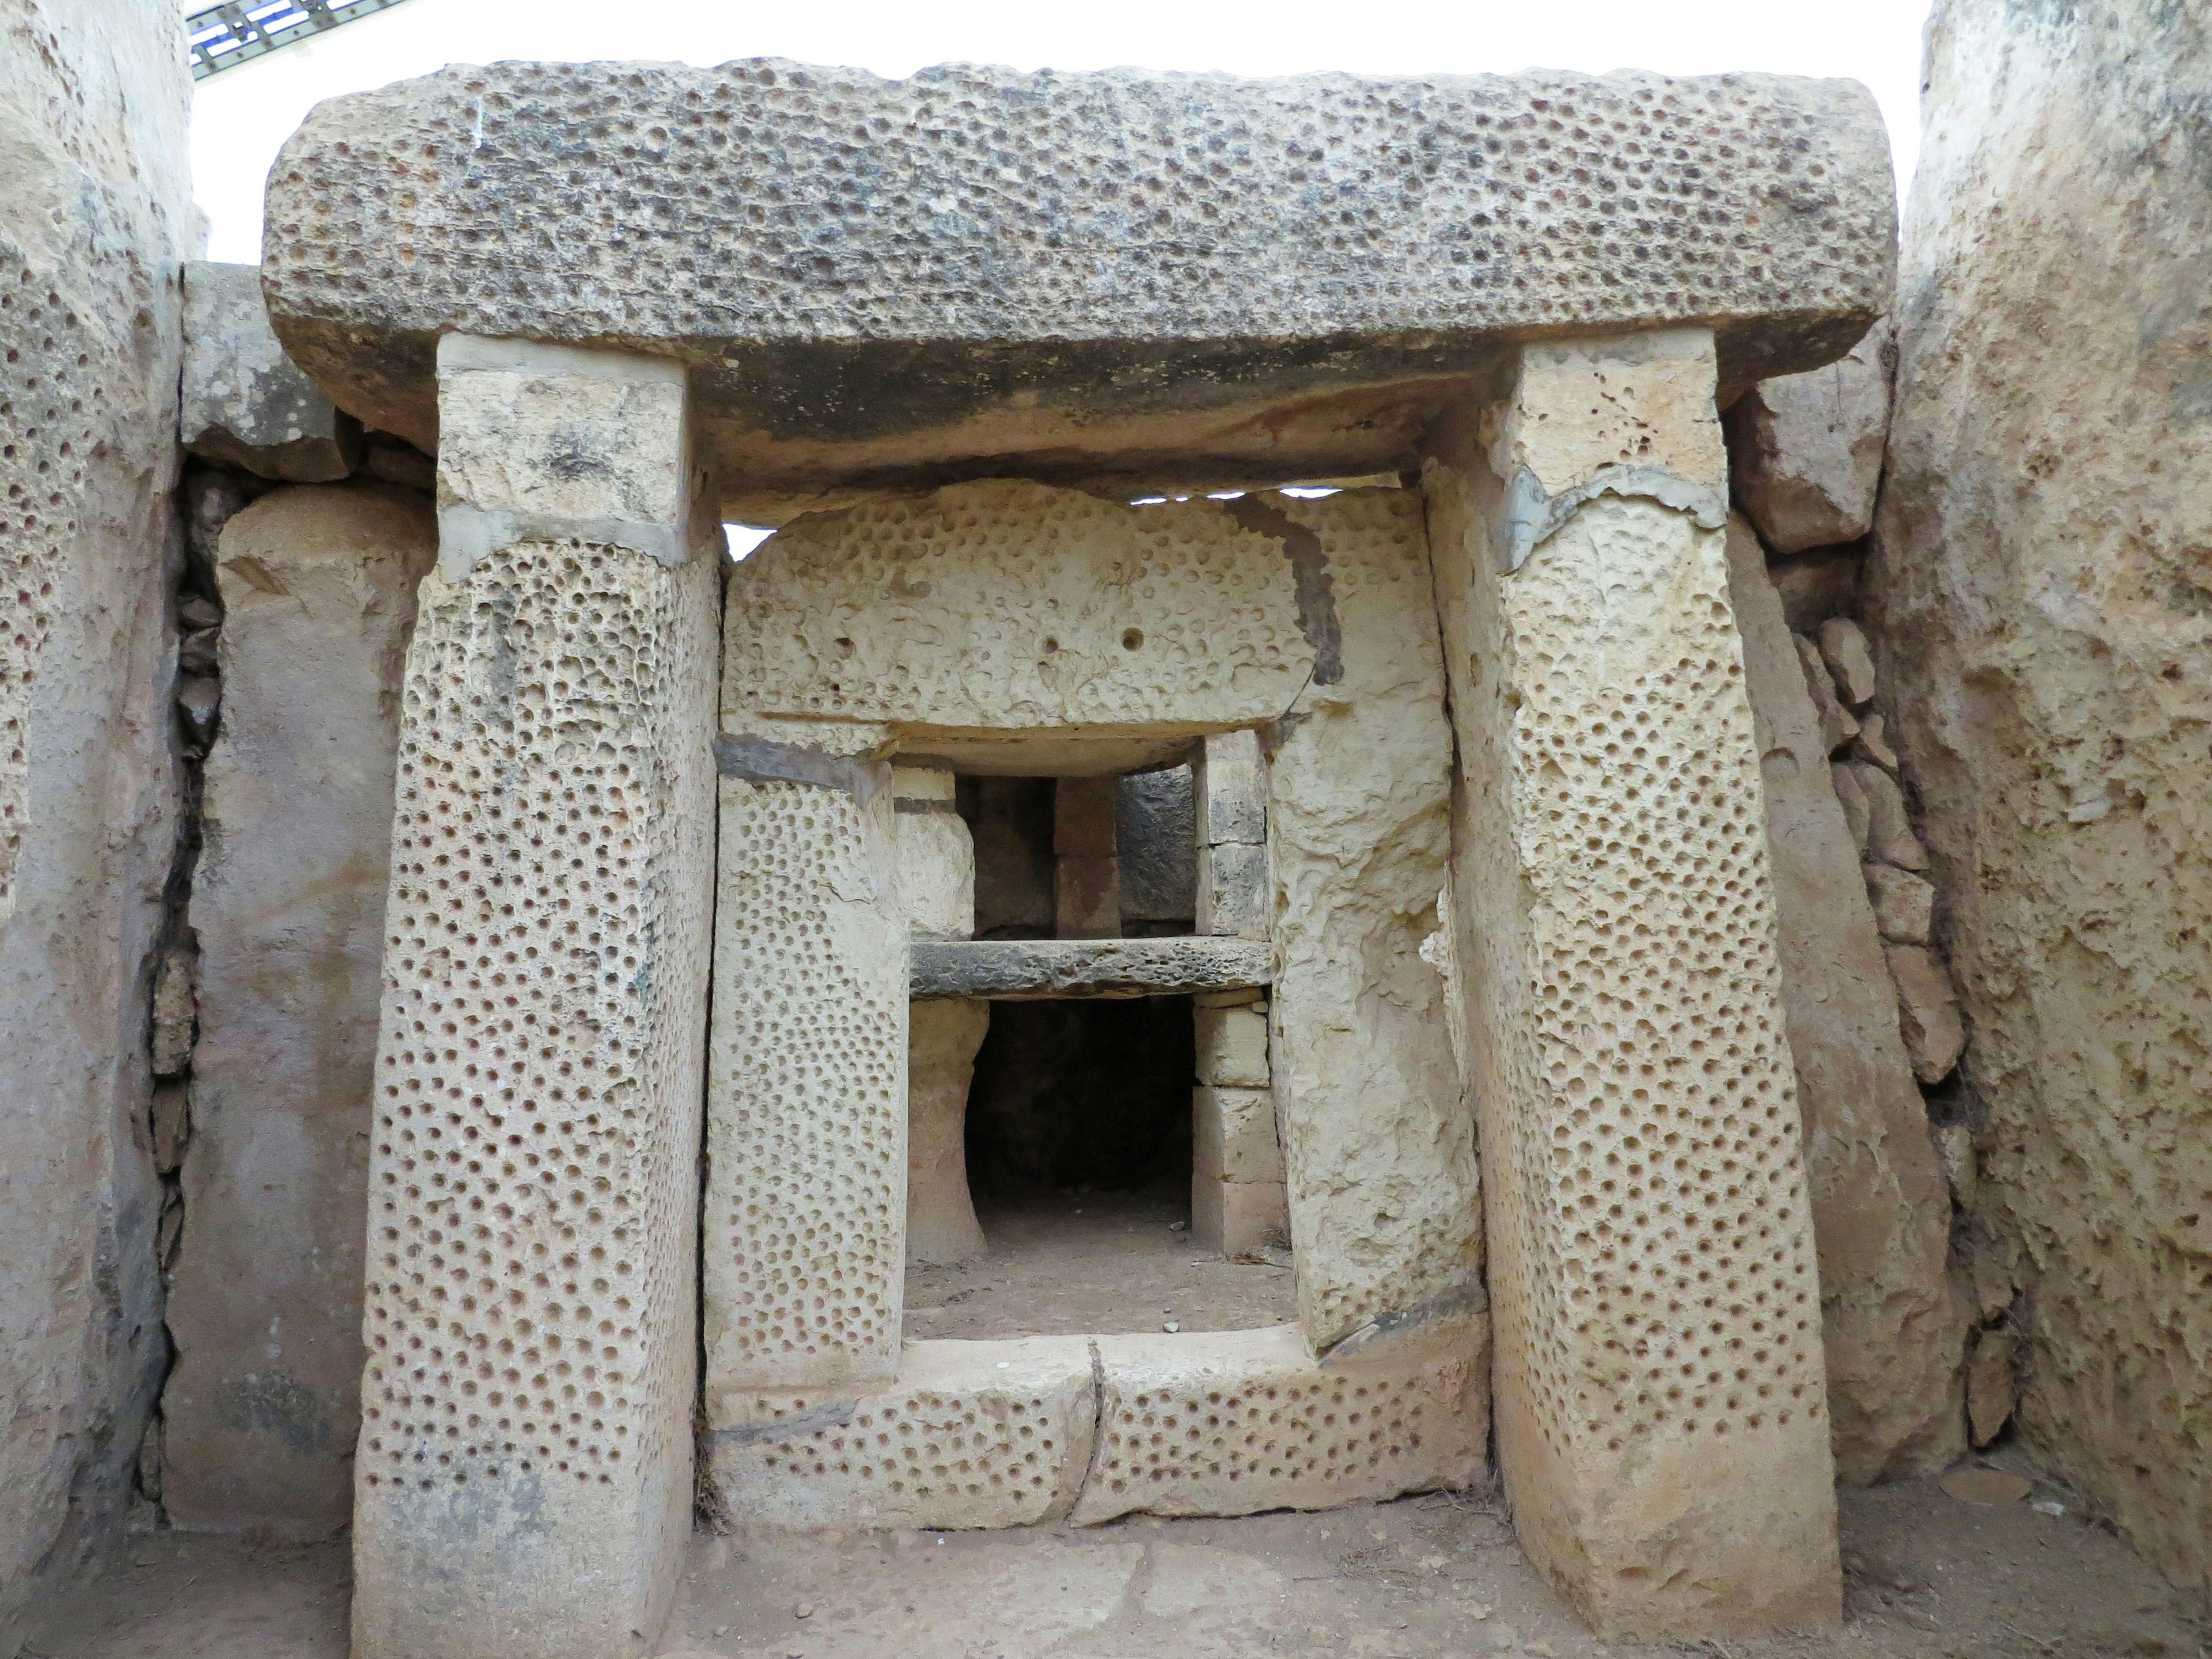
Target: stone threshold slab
[1086,1428]
[1019,969]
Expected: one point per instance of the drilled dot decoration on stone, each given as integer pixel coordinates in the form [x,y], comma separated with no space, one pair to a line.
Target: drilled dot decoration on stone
[1660,1225]
[1319,1433]
[529,1236]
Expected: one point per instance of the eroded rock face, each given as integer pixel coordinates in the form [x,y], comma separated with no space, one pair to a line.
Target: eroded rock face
[245,404]
[318,587]
[94,203]
[1805,449]
[1008,263]
[1895,1335]
[2042,608]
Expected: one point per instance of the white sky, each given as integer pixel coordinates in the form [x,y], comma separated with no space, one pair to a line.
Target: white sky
[242,116]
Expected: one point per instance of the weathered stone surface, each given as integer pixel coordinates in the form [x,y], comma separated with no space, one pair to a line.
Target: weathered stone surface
[1385,1198]
[1894,1332]
[1837,728]
[1857,814]
[1805,449]
[1231,1422]
[1928,1010]
[1234,897]
[978,283]
[245,404]
[1092,968]
[1843,648]
[1991,1394]
[94,205]
[1658,1493]
[936,854]
[1156,838]
[1903,904]
[560,705]
[1234,1136]
[1232,1046]
[1237,1219]
[1889,828]
[262,1409]
[1816,586]
[1872,743]
[942,1038]
[2039,593]
[1086,866]
[1230,786]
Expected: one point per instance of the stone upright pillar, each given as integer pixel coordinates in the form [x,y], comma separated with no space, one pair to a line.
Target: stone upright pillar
[1087,868]
[524,1480]
[1661,1397]
[1230,783]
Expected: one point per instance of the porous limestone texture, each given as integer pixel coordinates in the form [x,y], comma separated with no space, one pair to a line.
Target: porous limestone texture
[1660,1408]
[1234,1422]
[942,1038]
[1004,607]
[1805,449]
[1386,1209]
[972,1434]
[1013,1433]
[1100,273]
[94,205]
[2041,605]
[245,404]
[936,854]
[523,1481]
[262,1408]
[1894,1330]
[804,1223]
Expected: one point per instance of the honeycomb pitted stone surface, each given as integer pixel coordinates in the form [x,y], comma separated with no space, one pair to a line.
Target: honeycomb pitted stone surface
[926,247]
[531,1191]
[1011,605]
[807,1144]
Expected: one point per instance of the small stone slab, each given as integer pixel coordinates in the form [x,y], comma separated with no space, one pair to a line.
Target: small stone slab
[1004,971]
[244,403]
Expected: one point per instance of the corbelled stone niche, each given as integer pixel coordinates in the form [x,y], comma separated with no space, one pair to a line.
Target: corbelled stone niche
[840,293]
[1293,643]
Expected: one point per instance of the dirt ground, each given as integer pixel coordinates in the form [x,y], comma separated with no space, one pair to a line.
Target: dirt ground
[1068,1264]
[1434,1578]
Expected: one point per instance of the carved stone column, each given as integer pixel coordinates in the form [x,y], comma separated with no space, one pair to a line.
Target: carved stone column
[524,1480]
[1661,1396]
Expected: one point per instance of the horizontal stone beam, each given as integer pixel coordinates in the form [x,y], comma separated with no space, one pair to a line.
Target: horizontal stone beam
[1090,274]
[1010,971]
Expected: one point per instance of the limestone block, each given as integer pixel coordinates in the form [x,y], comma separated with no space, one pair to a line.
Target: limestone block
[1016,968]
[263,1407]
[2037,589]
[1807,448]
[1083,818]
[1844,649]
[1892,1327]
[1851,795]
[971,1434]
[1234,897]
[1234,1135]
[1955,1147]
[1237,1219]
[1234,1422]
[1816,586]
[245,404]
[1231,788]
[1087,897]
[942,1038]
[1934,1036]
[94,205]
[1378,1145]
[1167,619]
[1156,838]
[834,340]
[1890,838]
[936,854]
[523,1481]
[1661,1490]
[1872,743]
[1232,1046]
[1903,904]
[807,1091]
[1991,1393]
[1838,725]
[176,1011]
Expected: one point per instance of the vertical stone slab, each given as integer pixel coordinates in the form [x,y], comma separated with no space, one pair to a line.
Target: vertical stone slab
[804,1227]
[263,1405]
[524,1470]
[1662,1417]
[1230,783]
[1087,864]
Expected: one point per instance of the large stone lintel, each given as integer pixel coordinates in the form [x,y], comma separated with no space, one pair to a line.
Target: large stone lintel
[1006,970]
[1095,275]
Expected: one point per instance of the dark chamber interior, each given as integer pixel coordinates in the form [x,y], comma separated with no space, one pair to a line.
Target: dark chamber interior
[1079,1096]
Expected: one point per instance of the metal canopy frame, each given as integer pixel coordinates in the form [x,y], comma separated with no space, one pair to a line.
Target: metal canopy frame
[239,30]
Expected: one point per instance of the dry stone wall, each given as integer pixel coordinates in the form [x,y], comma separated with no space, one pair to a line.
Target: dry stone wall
[94,203]
[2041,612]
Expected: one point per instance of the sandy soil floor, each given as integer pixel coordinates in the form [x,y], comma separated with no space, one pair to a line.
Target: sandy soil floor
[1435,1577]
[1082,1263]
